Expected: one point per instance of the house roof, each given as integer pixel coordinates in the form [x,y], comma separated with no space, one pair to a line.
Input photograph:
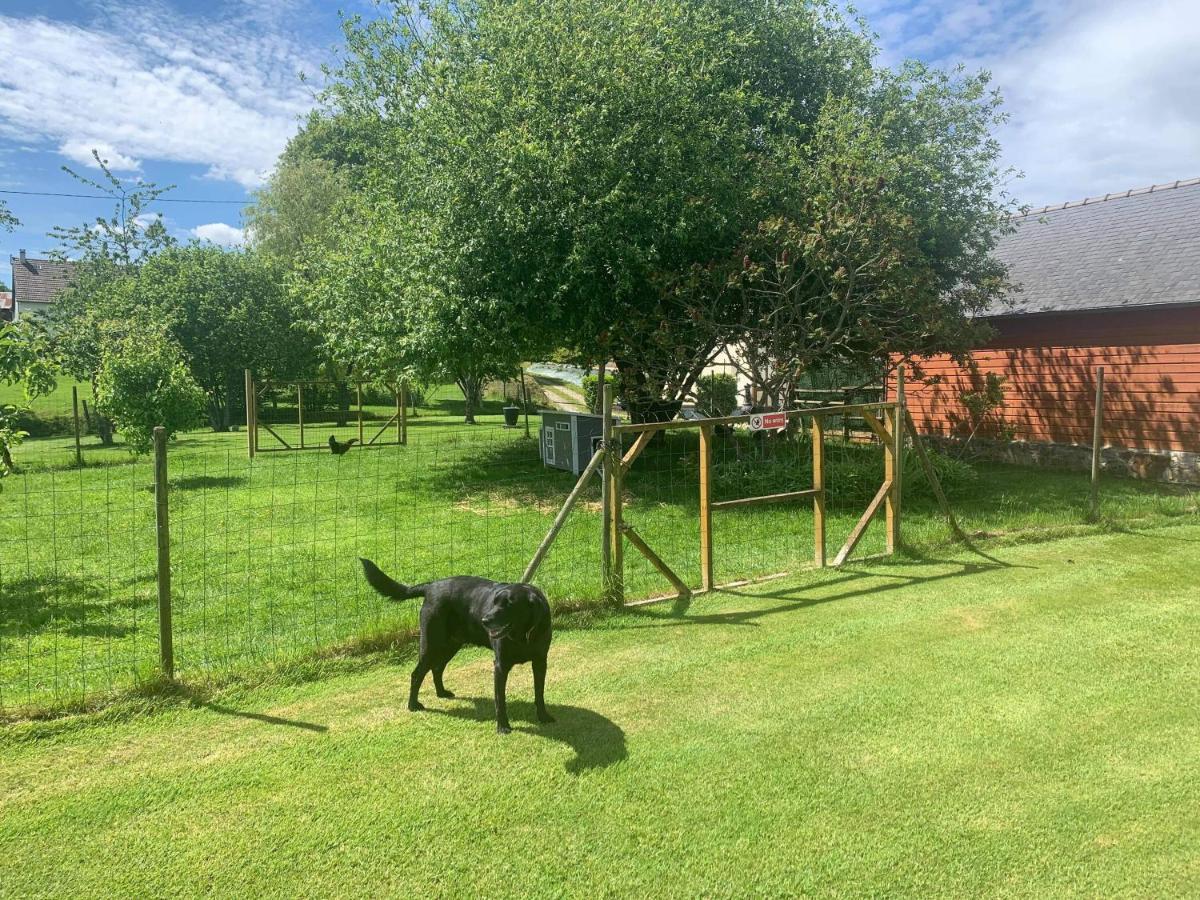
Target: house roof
[1137,248]
[39,280]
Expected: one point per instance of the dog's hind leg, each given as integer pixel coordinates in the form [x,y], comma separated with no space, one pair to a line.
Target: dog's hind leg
[438,668]
[418,676]
[539,690]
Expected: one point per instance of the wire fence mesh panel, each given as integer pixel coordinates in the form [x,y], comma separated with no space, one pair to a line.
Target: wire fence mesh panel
[264,551]
[77,590]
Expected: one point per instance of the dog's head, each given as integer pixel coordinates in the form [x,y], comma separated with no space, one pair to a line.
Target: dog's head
[517,611]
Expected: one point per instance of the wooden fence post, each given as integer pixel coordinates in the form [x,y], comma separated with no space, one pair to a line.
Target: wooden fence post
[894,465]
[706,547]
[166,648]
[818,442]
[1097,440]
[402,411]
[300,410]
[605,487]
[75,413]
[251,424]
[360,415]
[614,588]
[525,401]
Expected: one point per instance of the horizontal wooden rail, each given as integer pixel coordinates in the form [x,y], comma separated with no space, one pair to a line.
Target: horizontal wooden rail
[766,498]
[674,424]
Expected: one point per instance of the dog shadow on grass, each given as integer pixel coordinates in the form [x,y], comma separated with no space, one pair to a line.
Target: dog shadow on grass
[598,741]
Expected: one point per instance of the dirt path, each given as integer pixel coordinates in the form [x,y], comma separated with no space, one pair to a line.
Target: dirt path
[564,396]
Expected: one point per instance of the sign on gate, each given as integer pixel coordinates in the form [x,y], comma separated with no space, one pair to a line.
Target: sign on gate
[768,421]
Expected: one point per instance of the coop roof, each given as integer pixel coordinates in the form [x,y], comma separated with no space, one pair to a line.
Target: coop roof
[1137,248]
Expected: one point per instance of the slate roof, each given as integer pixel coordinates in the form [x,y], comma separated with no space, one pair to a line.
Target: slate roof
[1137,248]
[39,280]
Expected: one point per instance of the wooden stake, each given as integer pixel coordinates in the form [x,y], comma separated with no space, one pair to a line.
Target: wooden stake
[931,475]
[643,548]
[250,423]
[561,518]
[706,547]
[75,413]
[525,400]
[162,526]
[818,448]
[1097,441]
[605,488]
[360,415]
[893,464]
[402,412]
[300,411]
[860,528]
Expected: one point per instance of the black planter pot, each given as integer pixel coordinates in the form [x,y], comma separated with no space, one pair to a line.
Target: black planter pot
[510,416]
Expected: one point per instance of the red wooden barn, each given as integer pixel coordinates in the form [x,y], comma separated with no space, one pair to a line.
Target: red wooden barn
[1112,281]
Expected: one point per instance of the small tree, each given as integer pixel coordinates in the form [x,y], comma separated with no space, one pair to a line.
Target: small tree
[144,382]
[24,359]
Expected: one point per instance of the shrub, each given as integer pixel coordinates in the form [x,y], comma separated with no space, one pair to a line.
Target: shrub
[716,395]
[144,382]
[591,394]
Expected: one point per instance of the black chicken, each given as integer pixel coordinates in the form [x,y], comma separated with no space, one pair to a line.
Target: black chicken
[338,448]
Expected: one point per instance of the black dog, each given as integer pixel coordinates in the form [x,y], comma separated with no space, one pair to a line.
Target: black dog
[512,619]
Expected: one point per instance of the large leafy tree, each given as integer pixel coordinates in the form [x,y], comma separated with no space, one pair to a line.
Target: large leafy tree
[616,178]
[227,311]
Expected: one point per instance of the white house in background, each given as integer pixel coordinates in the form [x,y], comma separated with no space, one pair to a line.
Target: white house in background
[36,282]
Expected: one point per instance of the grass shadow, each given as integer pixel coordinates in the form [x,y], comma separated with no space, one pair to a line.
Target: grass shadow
[65,604]
[209,482]
[597,741]
[265,719]
[678,614]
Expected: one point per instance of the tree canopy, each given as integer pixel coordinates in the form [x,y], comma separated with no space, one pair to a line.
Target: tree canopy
[630,181]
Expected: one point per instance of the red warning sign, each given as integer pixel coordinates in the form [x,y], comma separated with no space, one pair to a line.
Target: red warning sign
[768,421]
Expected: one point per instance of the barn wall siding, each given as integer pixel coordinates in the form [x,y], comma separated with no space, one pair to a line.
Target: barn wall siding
[1152,380]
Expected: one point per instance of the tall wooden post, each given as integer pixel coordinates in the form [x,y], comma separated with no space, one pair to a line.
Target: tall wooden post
[894,464]
[402,412]
[525,401]
[1097,442]
[300,410]
[166,647]
[251,422]
[706,547]
[360,415]
[616,543]
[818,450]
[605,488]
[75,413]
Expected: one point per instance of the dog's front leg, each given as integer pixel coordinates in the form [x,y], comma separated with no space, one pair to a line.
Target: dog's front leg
[501,683]
[539,690]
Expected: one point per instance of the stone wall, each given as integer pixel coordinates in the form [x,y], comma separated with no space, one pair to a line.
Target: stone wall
[1173,466]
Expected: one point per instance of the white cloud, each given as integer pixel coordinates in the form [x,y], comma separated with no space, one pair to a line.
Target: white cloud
[1101,96]
[80,151]
[147,83]
[1106,101]
[220,233]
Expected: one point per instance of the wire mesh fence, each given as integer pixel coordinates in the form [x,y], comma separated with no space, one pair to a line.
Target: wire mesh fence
[264,552]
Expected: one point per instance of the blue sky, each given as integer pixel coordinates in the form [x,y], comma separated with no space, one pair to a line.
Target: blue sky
[204,95]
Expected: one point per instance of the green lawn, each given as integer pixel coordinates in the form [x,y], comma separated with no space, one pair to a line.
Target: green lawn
[1018,724]
[264,552]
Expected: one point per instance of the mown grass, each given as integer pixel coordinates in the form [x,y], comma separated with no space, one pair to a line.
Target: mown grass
[264,552]
[1017,724]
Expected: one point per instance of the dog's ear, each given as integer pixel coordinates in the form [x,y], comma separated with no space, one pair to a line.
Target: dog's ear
[539,617]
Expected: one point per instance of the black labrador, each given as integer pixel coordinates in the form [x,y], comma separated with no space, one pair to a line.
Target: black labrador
[512,619]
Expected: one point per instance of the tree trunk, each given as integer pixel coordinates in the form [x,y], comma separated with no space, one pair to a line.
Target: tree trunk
[104,428]
[472,389]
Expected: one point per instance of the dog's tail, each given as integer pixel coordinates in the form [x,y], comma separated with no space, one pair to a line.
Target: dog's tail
[389,587]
